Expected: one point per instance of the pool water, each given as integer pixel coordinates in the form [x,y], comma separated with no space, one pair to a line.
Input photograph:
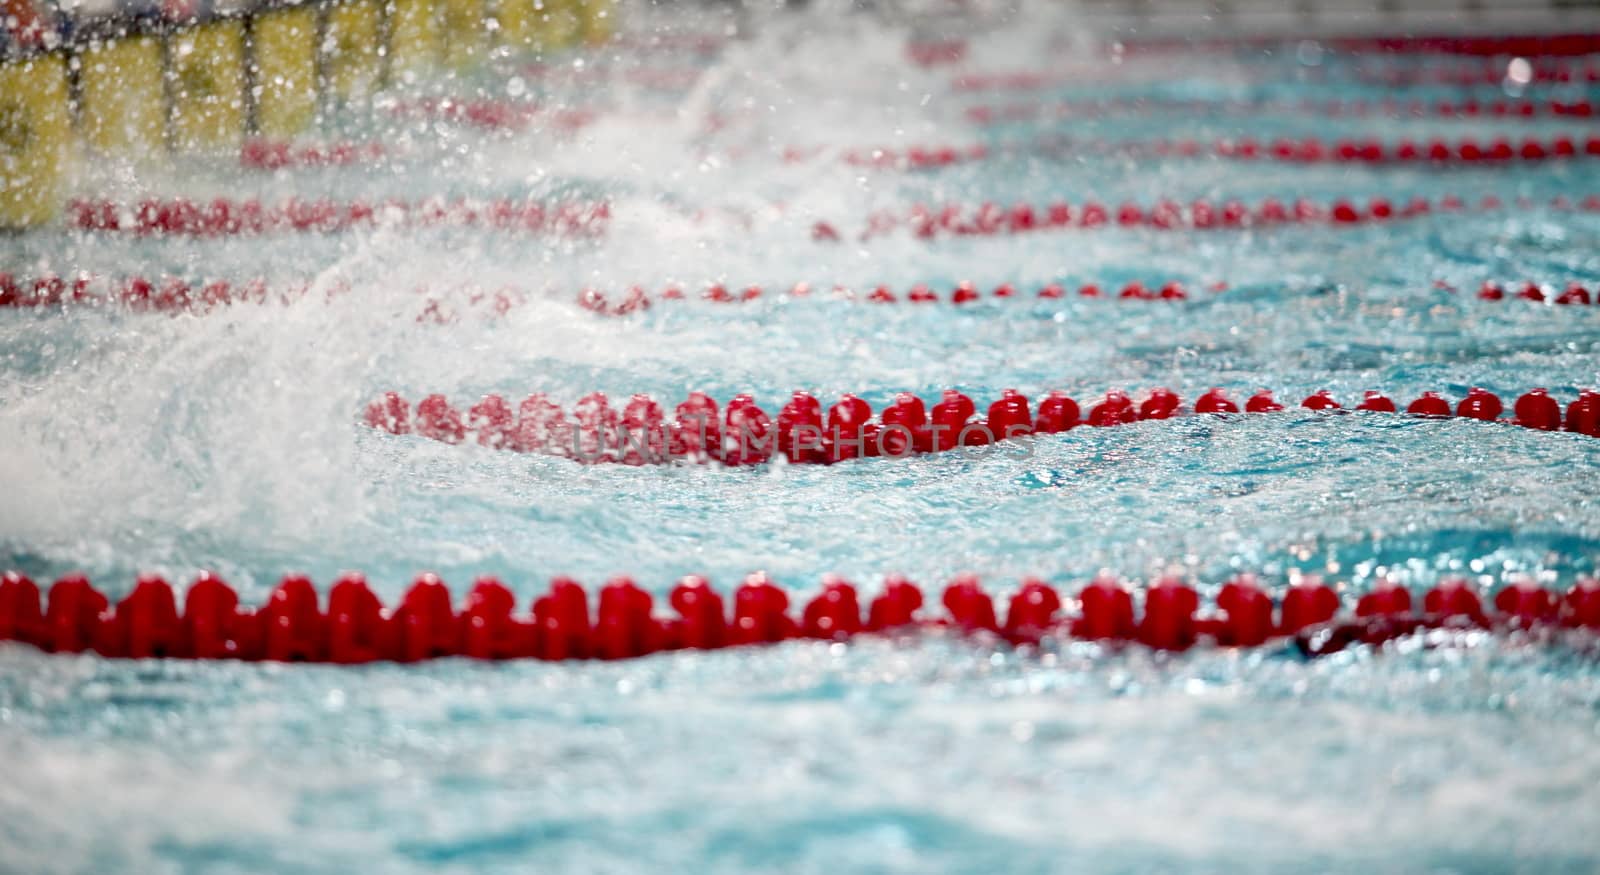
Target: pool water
[230,440]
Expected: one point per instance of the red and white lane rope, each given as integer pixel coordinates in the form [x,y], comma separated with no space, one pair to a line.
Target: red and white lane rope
[1062,77]
[493,114]
[667,42]
[224,216]
[664,79]
[1331,108]
[1307,150]
[990,219]
[428,623]
[259,153]
[177,295]
[1570,44]
[170,294]
[742,433]
[1515,72]
[637,299]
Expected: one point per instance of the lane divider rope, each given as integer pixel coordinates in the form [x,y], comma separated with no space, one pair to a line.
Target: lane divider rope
[1573,294]
[170,294]
[1307,150]
[742,433]
[990,114]
[636,299]
[177,295]
[990,219]
[493,114]
[1490,75]
[1568,44]
[355,627]
[262,153]
[225,216]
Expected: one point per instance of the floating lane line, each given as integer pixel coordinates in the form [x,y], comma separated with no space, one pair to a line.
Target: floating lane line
[742,433]
[355,627]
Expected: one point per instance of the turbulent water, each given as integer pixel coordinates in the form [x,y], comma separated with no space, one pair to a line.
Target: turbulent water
[230,440]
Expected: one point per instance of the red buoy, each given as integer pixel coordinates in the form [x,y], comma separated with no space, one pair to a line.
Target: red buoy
[1261,402]
[73,616]
[970,607]
[1247,613]
[1116,409]
[1032,611]
[1309,602]
[1162,404]
[1525,603]
[292,626]
[703,621]
[1106,609]
[758,612]
[1537,410]
[357,629]
[1479,404]
[1385,599]
[1057,413]
[624,628]
[1453,598]
[1320,400]
[1169,609]
[896,606]
[834,614]
[21,618]
[1215,401]
[1430,404]
[1376,402]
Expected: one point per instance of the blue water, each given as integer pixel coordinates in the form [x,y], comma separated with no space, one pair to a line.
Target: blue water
[229,441]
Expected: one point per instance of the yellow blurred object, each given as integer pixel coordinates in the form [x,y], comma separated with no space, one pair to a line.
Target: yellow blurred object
[515,23]
[562,23]
[547,25]
[465,37]
[352,63]
[414,37]
[285,44]
[35,140]
[206,70]
[598,20]
[122,104]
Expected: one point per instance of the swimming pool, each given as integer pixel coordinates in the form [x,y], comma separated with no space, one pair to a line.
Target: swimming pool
[230,438]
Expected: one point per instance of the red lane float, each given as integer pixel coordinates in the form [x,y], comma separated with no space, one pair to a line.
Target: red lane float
[991,219]
[741,433]
[636,299]
[989,114]
[225,216]
[355,627]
